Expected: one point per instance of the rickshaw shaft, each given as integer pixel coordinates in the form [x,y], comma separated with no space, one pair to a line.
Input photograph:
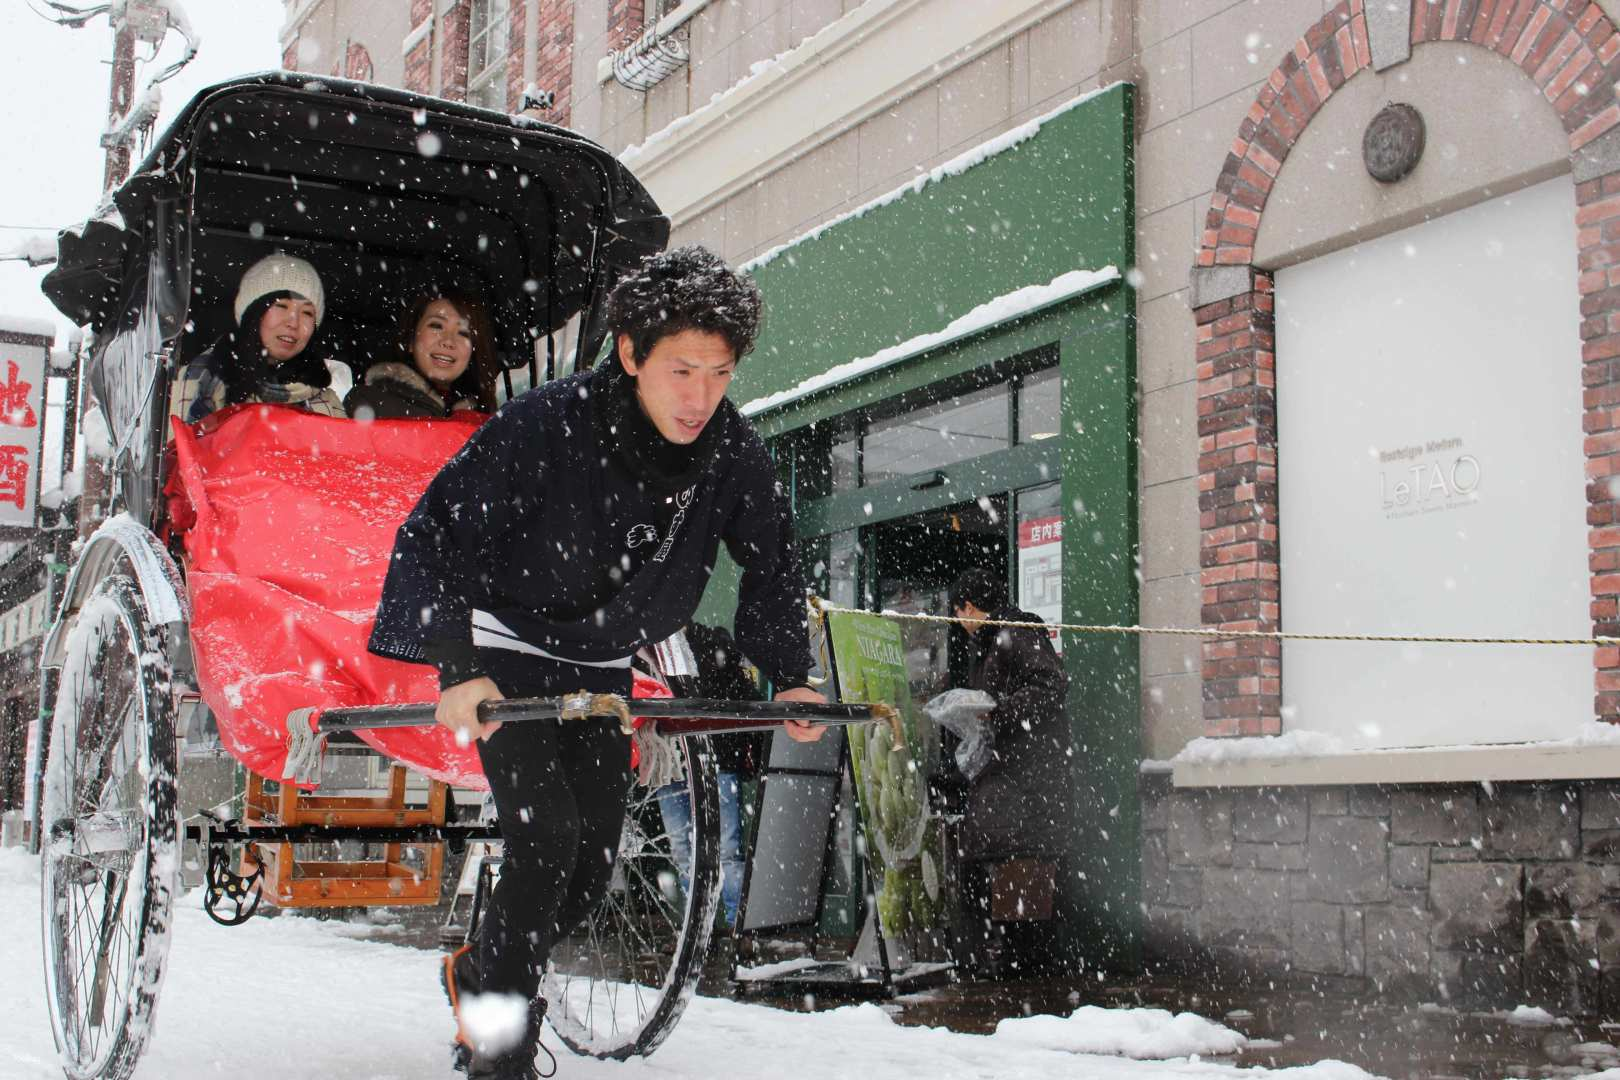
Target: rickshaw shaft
[675,716]
[235,833]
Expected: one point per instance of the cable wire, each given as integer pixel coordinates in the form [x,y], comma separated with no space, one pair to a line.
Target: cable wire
[823,606]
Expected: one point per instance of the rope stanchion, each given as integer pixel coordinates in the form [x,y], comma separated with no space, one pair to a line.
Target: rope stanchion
[822,607]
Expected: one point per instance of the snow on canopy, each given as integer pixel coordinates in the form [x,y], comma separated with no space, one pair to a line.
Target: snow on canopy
[28,325]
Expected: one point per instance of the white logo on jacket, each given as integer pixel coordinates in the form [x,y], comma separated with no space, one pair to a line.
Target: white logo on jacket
[641,534]
[682,501]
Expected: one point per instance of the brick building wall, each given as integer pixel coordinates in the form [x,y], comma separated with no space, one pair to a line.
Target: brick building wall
[1572,53]
[625,21]
[454,24]
[554,68]
[419,60]
[1483,894]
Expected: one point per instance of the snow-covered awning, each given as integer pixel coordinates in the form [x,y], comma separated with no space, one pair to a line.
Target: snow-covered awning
[1019,303]
[1032,217]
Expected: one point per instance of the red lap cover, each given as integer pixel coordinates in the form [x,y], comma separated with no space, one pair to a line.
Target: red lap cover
[295,516]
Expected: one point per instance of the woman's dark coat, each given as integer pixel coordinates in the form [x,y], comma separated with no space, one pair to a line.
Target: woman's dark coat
[396,391]
[1023,804]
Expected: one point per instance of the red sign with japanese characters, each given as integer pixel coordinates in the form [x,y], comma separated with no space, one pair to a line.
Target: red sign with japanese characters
[22,413]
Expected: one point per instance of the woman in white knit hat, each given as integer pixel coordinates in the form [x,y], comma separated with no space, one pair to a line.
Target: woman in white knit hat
[267,358]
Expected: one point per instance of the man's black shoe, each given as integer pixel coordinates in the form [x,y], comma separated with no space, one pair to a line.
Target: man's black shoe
[460,978]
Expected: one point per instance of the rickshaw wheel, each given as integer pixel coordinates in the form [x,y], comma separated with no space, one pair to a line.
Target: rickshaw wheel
[617,985]
[108,835]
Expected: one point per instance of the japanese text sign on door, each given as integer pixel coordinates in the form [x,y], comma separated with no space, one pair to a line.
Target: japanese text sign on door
[23,359]
[1040,570]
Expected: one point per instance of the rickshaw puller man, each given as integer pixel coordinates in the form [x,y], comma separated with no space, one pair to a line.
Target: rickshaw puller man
[579,524]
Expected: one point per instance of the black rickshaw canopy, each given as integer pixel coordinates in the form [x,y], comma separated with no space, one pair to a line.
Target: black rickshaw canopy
[387,192]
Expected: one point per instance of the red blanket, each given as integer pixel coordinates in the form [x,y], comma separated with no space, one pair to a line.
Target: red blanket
[291,522]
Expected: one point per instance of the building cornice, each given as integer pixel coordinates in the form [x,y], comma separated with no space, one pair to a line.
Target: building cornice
[851,70]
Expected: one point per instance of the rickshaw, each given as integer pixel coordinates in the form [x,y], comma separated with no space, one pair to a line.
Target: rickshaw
[384,191]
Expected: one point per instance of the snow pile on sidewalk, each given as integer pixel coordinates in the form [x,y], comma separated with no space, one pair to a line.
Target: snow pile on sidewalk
[1132,1033]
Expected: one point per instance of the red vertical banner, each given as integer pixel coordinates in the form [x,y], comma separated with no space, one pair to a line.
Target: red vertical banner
[24,355]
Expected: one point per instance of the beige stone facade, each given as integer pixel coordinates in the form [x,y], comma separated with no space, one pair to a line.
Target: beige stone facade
[328,36]
[1250,116]
[746,160]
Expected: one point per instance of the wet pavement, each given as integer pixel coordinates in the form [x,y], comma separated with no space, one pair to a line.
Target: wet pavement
[1286,1026]
[1301,1027]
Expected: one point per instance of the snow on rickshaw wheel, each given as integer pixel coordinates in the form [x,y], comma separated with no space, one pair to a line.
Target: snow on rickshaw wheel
[108,835]
[617,985]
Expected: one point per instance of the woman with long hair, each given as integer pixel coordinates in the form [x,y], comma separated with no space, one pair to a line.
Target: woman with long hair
[443,363]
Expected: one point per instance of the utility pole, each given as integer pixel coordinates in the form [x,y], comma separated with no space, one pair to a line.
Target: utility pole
[96,489]
[119,98]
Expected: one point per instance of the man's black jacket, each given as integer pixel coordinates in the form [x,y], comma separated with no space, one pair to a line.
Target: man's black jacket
[541,523]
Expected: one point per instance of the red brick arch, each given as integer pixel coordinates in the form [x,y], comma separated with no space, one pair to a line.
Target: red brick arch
[1572,52]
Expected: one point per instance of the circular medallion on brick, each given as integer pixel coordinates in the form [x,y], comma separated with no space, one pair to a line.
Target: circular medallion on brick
[1393,142]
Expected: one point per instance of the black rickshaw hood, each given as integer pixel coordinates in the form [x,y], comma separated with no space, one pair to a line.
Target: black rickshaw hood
[85,284]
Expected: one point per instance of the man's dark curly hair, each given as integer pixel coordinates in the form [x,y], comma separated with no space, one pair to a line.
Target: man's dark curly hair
[689,288]
[979,587]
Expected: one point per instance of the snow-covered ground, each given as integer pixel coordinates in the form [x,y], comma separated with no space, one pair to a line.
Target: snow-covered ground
[317,999]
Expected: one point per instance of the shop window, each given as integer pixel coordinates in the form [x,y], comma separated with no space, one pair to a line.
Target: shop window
[1040,398]
[846,467]
[1431,479]
[488,43]
[936,435]
[982,413]
[843,568]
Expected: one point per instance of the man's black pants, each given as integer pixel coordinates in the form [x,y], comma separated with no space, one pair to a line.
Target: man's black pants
[559,788]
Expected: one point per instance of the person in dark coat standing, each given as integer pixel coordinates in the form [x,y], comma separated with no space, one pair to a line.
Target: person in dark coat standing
[1017,806]
[577,526]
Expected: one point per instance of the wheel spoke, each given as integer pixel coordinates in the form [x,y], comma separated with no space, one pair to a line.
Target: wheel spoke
[616,983]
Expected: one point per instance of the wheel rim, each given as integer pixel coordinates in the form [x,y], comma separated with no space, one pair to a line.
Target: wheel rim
[615,987]
[108,813]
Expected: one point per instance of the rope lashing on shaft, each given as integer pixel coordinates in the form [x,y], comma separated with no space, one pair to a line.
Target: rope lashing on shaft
[823,607]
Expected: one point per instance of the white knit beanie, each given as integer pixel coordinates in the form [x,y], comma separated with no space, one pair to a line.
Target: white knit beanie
[281,273]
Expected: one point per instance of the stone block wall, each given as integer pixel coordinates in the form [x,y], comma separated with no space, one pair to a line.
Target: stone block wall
[1478,895]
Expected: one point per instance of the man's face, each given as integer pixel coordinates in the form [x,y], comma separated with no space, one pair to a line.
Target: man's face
[286,328]
[972,617]
[681,380]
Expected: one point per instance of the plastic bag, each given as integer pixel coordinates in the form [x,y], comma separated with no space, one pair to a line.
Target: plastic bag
[962,713]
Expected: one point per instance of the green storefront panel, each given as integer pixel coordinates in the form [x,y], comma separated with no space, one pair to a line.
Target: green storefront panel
[1049,204]
[1059,200]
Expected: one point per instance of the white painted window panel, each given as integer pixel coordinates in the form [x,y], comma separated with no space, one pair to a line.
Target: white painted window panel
[1463,328]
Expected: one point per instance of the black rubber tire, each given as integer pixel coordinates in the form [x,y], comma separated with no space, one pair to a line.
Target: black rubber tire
[108,835]
[600,989]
